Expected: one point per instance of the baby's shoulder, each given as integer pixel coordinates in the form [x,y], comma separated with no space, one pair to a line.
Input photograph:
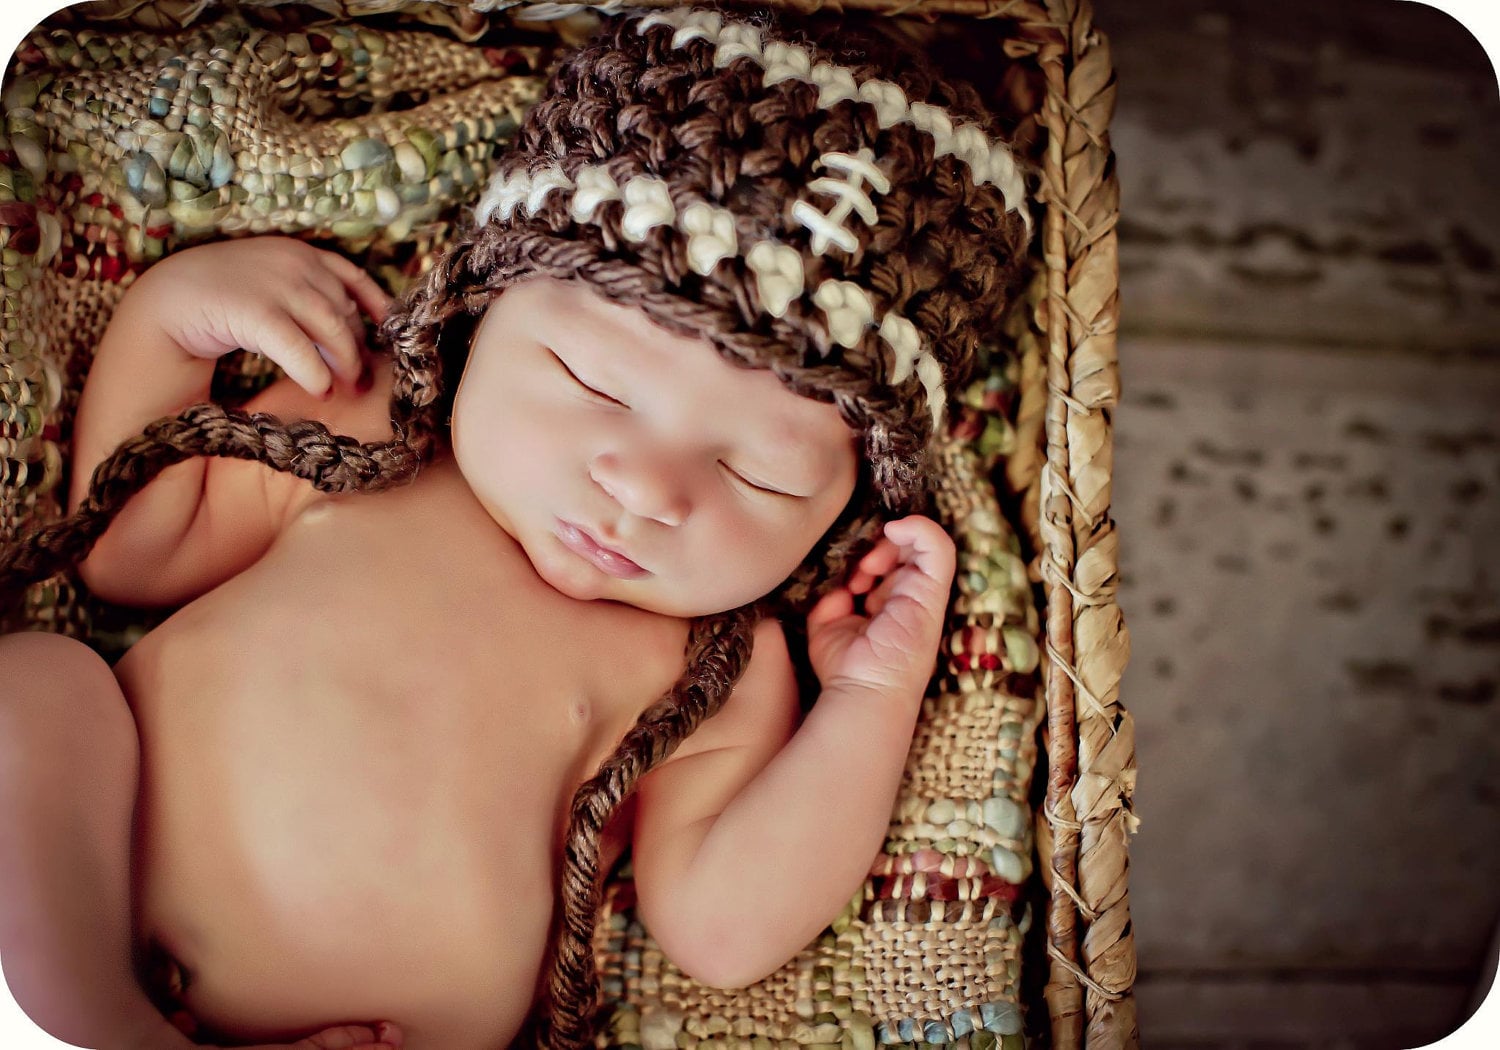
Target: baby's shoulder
[762,710]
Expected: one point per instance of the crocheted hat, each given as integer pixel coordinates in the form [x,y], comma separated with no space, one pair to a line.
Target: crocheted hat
[854,227]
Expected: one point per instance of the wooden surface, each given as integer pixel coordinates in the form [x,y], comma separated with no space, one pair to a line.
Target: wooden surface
[1312,598]
[1307,469]
[1315,171]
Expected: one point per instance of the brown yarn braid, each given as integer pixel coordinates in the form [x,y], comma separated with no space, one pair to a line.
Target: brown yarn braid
[719,649]
[945,253]
[308,449]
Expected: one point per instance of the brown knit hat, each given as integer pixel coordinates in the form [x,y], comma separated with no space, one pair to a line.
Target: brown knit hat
[853,227]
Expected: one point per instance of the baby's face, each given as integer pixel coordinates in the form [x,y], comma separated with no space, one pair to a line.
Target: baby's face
[639,466]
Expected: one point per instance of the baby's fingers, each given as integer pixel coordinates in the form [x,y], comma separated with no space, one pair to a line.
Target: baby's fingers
[348,1037]
[877,562]
[835,605]
[926,564]
[360,286]
[876,599]
[334,329]
[924,544]
[285,342]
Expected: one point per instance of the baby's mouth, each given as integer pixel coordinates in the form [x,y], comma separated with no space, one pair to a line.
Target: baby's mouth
[605,559]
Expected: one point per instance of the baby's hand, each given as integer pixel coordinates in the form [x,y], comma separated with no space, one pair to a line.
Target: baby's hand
[277,296]
[384,1036]
[905,580]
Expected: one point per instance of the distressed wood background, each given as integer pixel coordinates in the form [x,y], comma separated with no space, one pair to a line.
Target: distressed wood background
[1308,460]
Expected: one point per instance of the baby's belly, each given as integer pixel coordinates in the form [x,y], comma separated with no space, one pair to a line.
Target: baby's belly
[315,848]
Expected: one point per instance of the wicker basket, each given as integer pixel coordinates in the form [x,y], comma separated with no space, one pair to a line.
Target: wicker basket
[121,145]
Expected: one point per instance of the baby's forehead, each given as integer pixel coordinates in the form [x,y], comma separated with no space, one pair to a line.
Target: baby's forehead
[631,347]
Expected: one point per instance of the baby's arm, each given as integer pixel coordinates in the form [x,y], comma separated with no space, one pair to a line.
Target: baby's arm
[205,519]
[753,837]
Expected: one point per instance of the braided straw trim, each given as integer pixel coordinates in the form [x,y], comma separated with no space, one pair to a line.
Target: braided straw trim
[1091,737]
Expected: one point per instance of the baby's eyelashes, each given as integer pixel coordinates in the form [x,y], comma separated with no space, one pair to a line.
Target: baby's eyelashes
[596,392]
[759,486]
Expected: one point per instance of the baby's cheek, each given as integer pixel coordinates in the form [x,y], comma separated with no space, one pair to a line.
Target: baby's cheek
[764,558]
[493,458]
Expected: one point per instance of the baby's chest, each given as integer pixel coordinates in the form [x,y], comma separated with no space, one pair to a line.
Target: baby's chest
[420,595]
[397,680]
[326,745]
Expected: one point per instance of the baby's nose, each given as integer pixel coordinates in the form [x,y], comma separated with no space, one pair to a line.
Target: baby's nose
[648,487]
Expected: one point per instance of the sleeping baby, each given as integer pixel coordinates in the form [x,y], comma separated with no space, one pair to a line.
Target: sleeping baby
[526,587]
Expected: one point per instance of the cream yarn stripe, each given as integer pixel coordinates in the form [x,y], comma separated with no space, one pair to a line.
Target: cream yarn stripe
[989,161]
[847,307]
[779,276]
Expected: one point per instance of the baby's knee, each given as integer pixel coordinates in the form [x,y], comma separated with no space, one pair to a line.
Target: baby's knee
[54,681]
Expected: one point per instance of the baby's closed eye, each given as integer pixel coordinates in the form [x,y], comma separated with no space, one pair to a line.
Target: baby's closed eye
[751,481]
[594,390]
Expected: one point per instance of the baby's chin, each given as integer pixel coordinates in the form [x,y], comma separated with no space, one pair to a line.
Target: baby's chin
[575,579]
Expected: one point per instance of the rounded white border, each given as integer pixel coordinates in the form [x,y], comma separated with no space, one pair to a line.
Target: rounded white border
[1480,17]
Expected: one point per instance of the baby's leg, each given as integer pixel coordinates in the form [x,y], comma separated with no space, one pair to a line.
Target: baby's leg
[69,758]
[68,780]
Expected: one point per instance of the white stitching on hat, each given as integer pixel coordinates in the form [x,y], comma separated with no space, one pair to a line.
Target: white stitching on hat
[507,190]
[906,345]
[972,147]
[504,192]
[907,355]
[848,309]
[852,196]
[543,183]
[783,61]
[778,275]
[888,99]
[835,84]
[936,122]
[824,230]
[931,374]
[673,17]
[1004,172]
[711,236]
[595,186]
[737,40]
[706,27]
[647,204]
